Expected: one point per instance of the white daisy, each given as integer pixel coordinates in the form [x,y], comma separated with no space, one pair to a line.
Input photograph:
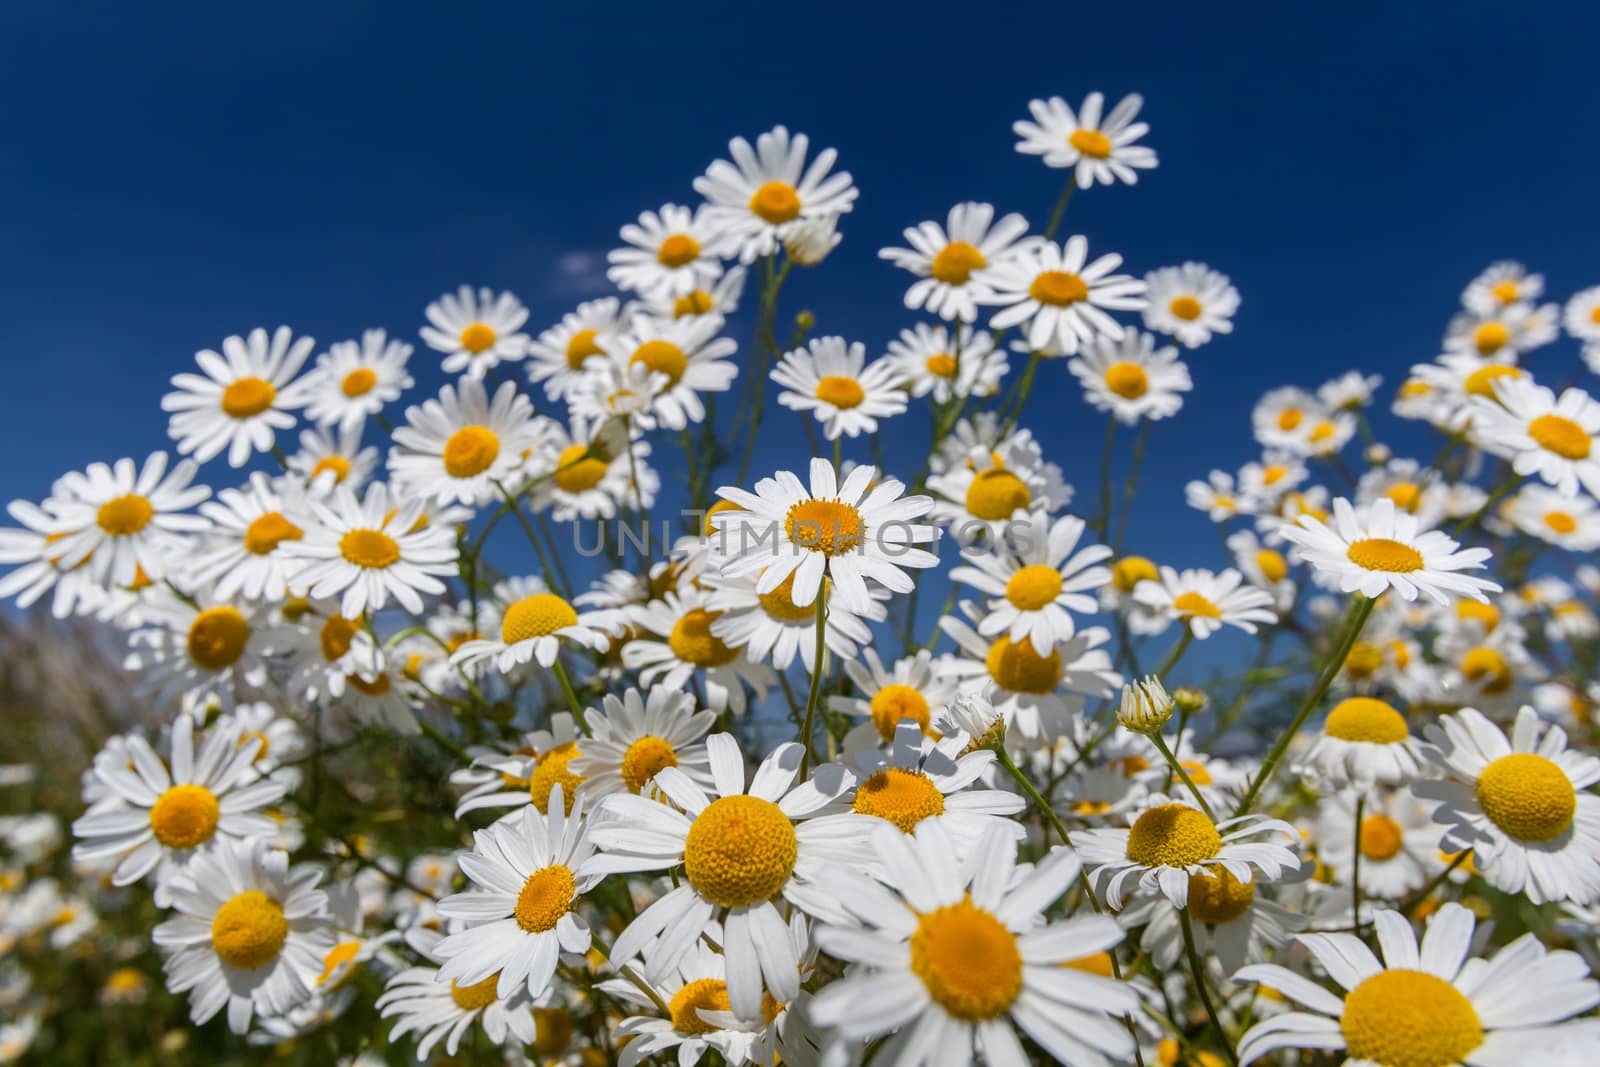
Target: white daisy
[770,627]
[559,355]
[695,994]
[1099,149]
[1191,302]
[682,646]
[248,526]
[1233,921]
[1131,378]
[355,379]
[688,353]
[123,520]
[831,379]
[1265,568]
[243,398]
[1061,297]
[1502,283]
[720,299]
[476,330]
[1350,391]
[997,489]
[757,199]
[439,1011]
[928,363]
[1582,314]
[1036,585]
[1207,601]
[1397,838]
[953,261]
[1216,496]
[31,549]
[1521,805]
[913,689]
[810,241]
[1504,333]
[591,472]
[456,448]
[327,459]
[1382,550]
[635,736]
[199,647]
[1364,741]
[533,628]
[1569,522]
[672,253]
[1540,434]
[526,775]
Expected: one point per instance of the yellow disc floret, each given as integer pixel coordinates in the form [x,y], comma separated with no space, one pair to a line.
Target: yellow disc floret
[1173,835]
[955,262]
[470,451]
[1058,288]
[678,250]
[546,896]
[1033,587]
[249,930]
[1129,571]
[840,391]
[1527,796]
[369,548]
[580,346]
[692,641]
[125,515]
[577,471]
[478,337]
[995,493]
[776,202]
[707,994]
[662,357]
[1127,380]
[1091,143]
[358,382]
[1384,554]
[549,771]
[1380,837]
[740,850]
[781,606]
[185,816]
[902,797]
[1562,436]
[1186,308]
[1406,1018]
[1014,665]
[478,995]
[1488,669]
[1219,899]
[968,961]
[644,759]
[1366,719]
[895,702]
[217,637]
[267,531]
[247,397]
[831,527]
[538,615]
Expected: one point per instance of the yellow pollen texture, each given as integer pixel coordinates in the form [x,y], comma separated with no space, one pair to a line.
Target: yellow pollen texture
[1192,604]
[1560,435]
[1383,554]
[956,261]
[1488,669]
[692,641]
[249,930]
[678,250]
[266,532]
[1129,571]
[1366,719]
[776,202]
[895,702]
[740,850]
[369,548]
[545,897]
[476,996]
[662,357]
[478,337]
[840,391]
[539,615]
[470,451]
[549,771]
[358,382]
[1033,587]
[1173,835]
[217,637]
[576,474]
[1527,796]
[1015,666]
[707,994]
[1058,288]
[247,397]
[1091,143]
[1381,837]
[968,961]
[1404,1018]
[902,797]
[1127,380]
[125,515]
[185,816]
[1221,899]
[995,493]
[941,365]
[827,526]
[781,606]
[580,346]
[1185,307]
[644,759]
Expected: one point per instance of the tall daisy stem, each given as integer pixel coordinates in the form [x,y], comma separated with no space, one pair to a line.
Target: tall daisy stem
[1355,863]
[1363,610]
[816,681]
[1172,761]
[572,696]
[1198,973]
[1030,790]
[1102,522]
[1494,498]
[1176,654]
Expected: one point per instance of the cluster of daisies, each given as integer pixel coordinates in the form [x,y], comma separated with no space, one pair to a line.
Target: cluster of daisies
[733,798]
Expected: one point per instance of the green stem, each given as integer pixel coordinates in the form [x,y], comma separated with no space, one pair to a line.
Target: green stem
[1176,654]
[1131,484]
[807,729]
[1355,864]
[1033,793]
[1060,209]
[1102,522]
[1494,498]
[1435,882]
[1172,761]
[433,734]
[1199,975]
[572,696]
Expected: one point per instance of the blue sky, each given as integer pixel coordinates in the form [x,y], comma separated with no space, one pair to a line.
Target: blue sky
[174,176]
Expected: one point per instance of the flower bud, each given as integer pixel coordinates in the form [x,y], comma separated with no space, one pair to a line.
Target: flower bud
[1189,700]
[810,241]
[806,321]
[1378,454]
[1146,707]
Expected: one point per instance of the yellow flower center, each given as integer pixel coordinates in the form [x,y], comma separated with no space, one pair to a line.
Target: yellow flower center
[708,994]
[471,450]
[1058,288]
[1407,496]
[249,930]
[546,896]
[1322,431]
[1033,587]
[1365,719]
[678,250]
[780,605]
[1274,568]
[1364,659]
[1481,381]
[1486,614]
[369,548]
[1197,771]
[247,397]
[1015,666]
[1185,307]
[692,641]
[126,980]
[1193,604]
[267,532]
[1487,666]
[776,202]
[662,357]
[1091,143]
[995,493]
[956,261]
[840,391]
[740,850]
[549,771]
[1490,338]
[217,637]
[904,798]
[644,759]
[538,615]
[1273,474]
[968,961]
[580,346]
[478,337]
[1384,554]
[1560,522]
[375,688]
[359,382]
[478,995]
[575,474]
[338,957]
[696,303]
[831,527]
[185,816]
[1129,571]
[941,365]
[895,702]
[1414,388]
[1173,835]
[1560,435]
[1406,1018]
[1527,796]
[1289,419]
[1381,837]
[1505,292]
[125,515]
[1221,899]
[337,635]
[1127,380]
[337,464]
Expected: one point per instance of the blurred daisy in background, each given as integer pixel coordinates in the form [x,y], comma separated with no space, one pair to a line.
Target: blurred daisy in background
[476,330]
[327,459]
[687,353]
[830,379]
[442,1011]
[912,689]
[124,520]
[770,627]
[1569,522]
[1397,838]
[1502,284]
[558,357]
[248,526]
[1206,601]
[1364,741]
[953,261]
[355,379]
[1191,303]
[929,364]
[1131,378]
[1100,149]
[671,253]
[245,395]
[1502,334]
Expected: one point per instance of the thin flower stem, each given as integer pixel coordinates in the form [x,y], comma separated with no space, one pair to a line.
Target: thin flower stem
[1032,792]
[1102,522]
[1494,498]
[1176,654]
[1199,975]
[1363,610]
[433,734]
[1060,209]
[1435,882]
[1130,485]
[816,682]
[572,696]
[1024,387]
[550,544]
[1355,864]
[1172,761]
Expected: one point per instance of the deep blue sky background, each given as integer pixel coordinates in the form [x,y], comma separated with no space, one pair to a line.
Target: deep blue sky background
[169,177]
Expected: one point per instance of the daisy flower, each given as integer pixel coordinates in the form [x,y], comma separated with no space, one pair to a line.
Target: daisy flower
[1216,496]
[1263,567]
[860,529]
[458,447]
[476,331]
[1382,549]
[1207,601]
[1581,316]
[319,650]
[611,389]
[1503,333]
[688,354]
[770,627]
[166,812]
[248,526]
[331,458]
[559,355]
[1191,303]
[1171,840]
[525,776]
[355,379]
[1502,284]
[928,364]
[1099,149]
[1433,1005]
[1131,378]
[591,471]
[636,735]
[720,299]
[1282,416]
[953,958]
[995,491]
[753,202]
[380,697]
[533,628]
[1541,435]
[683,642]
[831,379]
[672,253]
[1036,585]
[695,993]
[369,550]
[1569,522]
[952,261]
[31,549]
[439,1011]
[522,914]
[1364,741]
[198,646]
[1061,297]
[242,399]
[1401,480]
[1397,838]
[1349,391]
[249,936]
[1522,805]
[912,689]
[1233,921]
[123,519]
[741,849]
[810,241]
